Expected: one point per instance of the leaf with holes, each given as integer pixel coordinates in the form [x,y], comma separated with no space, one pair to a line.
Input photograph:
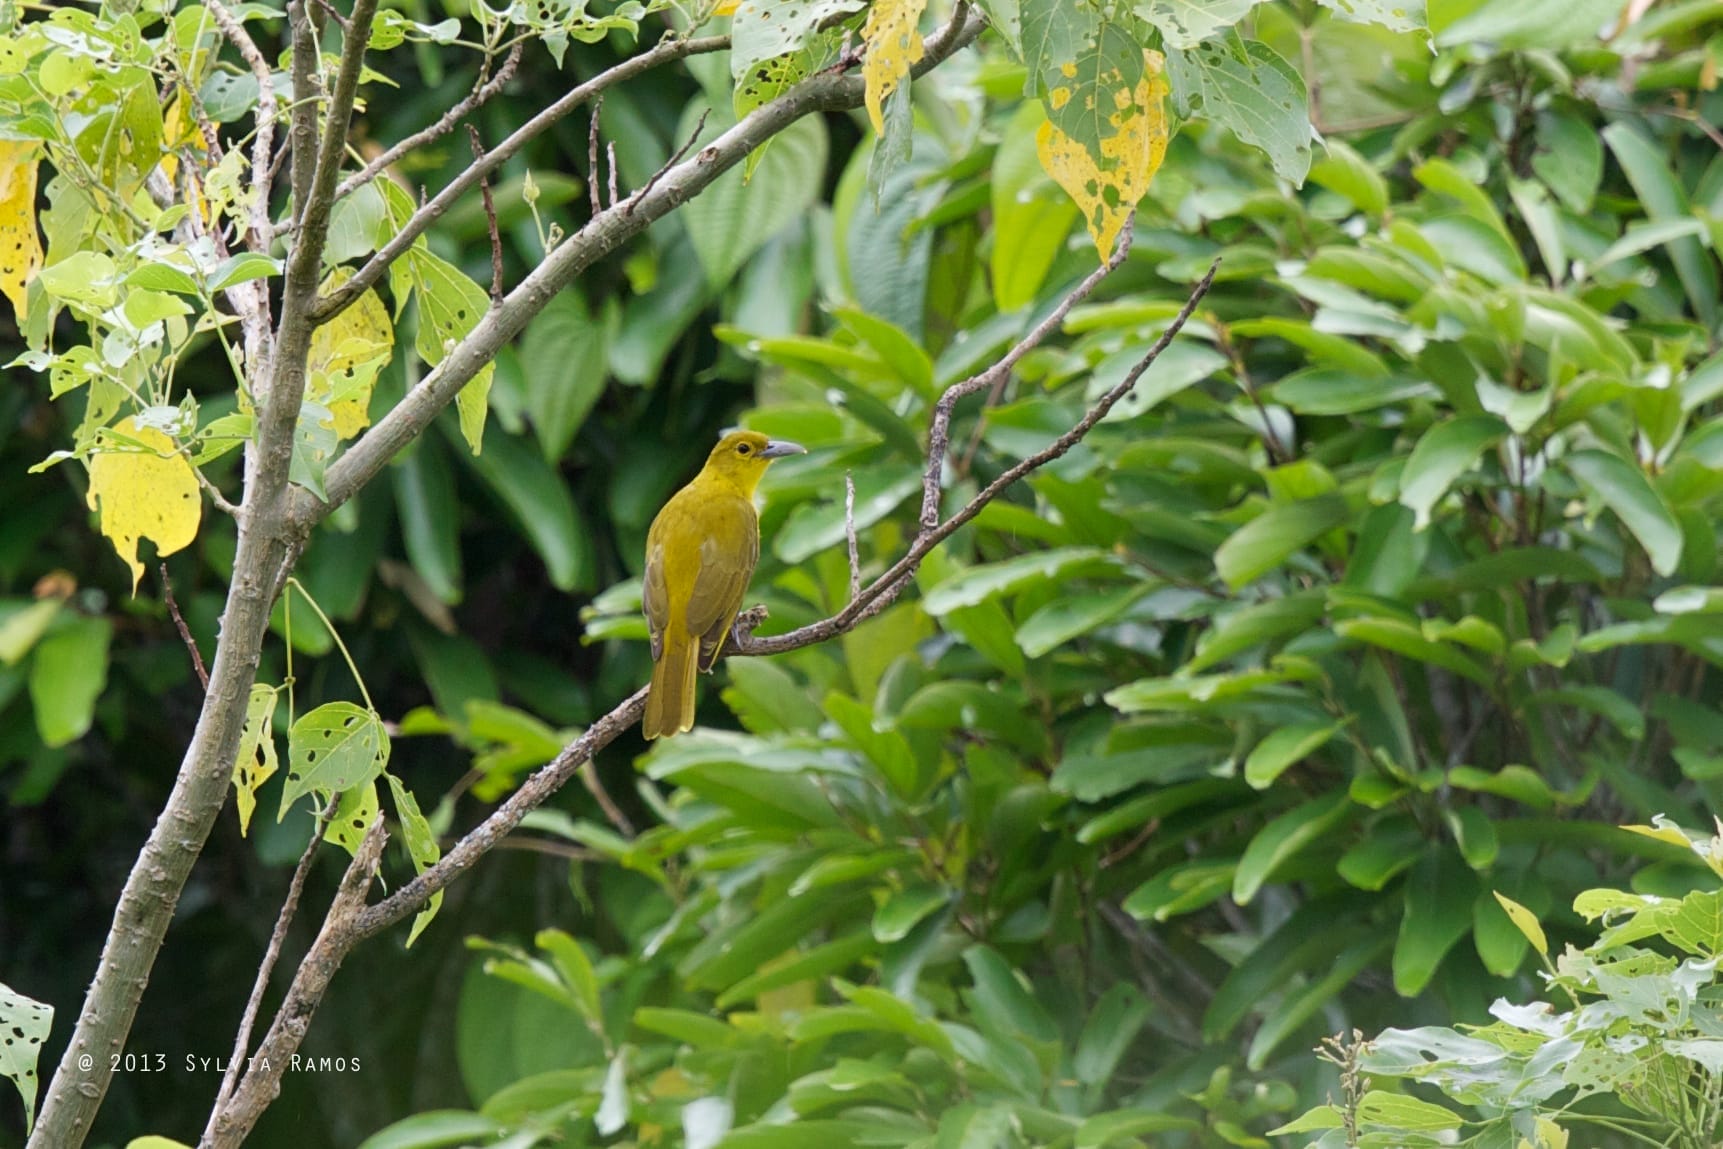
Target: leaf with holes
[1107,178]
[314,446]
[334,748]
[257,761]
[353,815]
[451,305]
[421,847]
[143,489]
[1186,23]
[762,30]
[346,355]
[1394,15]
[25,1024]
[20,243]
[893,48]
[1248,88]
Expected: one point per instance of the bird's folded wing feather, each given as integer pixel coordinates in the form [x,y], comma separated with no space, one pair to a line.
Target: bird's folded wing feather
[655,597]
[728,554]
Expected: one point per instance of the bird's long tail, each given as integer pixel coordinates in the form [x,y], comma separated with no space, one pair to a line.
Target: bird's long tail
[670,702]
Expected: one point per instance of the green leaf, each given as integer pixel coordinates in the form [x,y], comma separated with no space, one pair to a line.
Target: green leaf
[422,847]
[1624,489]
[450,306]
[332,749]
[1307,941]
[67,674]
[1401,1112]
[1112,1027]
[1286,747]
[974,1127]
[980,584]
[1298,1007]
[1254,93]
[430,517]
[733,218]
[1528,24]
[833,957]
[1661,195]
[1283,838]
[564,357]
[1184,363]
[1123,1126]
[1312,1121]
[434,1129]
[1500,944]
[1438,913]
[888,750]
[1338,391]
[22,625]
[904,909]
[1274,536]
[26,1024]
[1002,999]
[1346,173]
[1607,704]
[1405,639]
[1447,451]
[542,505]
[1031,214]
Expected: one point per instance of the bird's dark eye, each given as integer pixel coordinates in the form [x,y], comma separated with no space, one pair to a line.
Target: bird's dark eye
[744,449]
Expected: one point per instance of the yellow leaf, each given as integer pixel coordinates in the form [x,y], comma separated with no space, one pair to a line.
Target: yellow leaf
[178,131]
[144,490]
[1526,921]
[726,8]
[346,355]
[1107,187]
[257,761]
[893,47]
[20,244]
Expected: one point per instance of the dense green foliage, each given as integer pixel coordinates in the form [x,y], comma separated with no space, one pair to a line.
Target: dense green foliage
[1390,587]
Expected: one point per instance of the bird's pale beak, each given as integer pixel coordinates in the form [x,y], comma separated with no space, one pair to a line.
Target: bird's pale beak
[778,448]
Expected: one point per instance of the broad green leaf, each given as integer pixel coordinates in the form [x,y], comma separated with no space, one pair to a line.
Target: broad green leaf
[1274,536]
[1446,451]
[1336,391]
[1242,630]
[1184,363]
[1401,1111]
[1073,616]
[1121,1126]
[1002,996]
[1389,847]
[1285,748]
[1624,489]
[422,847]
[1528,24]
[1438,913]
[1405,639]
[564,357]
[331,749]
[1112,1026]
[1312,1121]
[981,584]
[24,626]
[887,750]
[26,1024]
[900,913]
[1283,838]
[68,672]
[732,219]
[542,505]
[450,306]
[1663,199]
[1031,215]
[1299,1006]
[1346,173]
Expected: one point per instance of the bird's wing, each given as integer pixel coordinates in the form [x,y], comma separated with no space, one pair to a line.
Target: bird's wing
[655,598]
[728,554]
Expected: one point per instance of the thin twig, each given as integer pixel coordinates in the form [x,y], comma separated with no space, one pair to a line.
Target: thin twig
[939,434]
[595,786]
[994,394]
[555,849]
[850,535]
[263,144]
[445,124]
[681,152]
[610,162]
[271,954]
[664,52]
[592,184]
[232,1121]
[333,14]
[490,221]
[184,631]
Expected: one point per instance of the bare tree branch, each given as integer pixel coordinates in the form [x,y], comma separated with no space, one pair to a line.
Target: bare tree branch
[232,1121]
[939,435]
[271,954]
[610,165]
[665,52]
[263,143]
[592,184]
[444,125]
[490,221]
[850,535]
[595,786]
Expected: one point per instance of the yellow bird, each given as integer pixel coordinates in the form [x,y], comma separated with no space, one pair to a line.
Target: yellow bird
[700,553]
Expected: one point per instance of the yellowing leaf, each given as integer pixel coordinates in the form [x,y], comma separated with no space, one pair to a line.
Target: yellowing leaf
[893,47]
[20,244]
[256,762]
[346,355]
[354,814]
[726,8]
[178,131]
[1526,921]
[1132,146]
[143,490]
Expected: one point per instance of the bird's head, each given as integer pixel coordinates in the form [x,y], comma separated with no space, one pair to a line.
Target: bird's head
[743,456]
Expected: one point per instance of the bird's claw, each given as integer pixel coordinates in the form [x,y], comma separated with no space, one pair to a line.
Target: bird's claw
[743,628]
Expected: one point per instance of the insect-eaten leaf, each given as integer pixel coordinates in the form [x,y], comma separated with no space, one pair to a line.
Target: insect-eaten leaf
[421,846]
[257,761]
[331,750]
[20,243]
[893,48]
[143,489]
[1108,176]
[346,355]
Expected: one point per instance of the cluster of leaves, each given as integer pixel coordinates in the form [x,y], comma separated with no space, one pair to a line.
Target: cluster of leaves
[1640,1051]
